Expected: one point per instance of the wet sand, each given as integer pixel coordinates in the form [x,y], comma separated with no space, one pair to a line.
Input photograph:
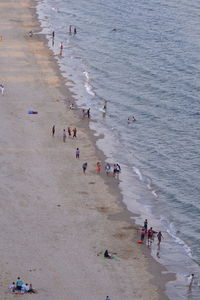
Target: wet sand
[54,219]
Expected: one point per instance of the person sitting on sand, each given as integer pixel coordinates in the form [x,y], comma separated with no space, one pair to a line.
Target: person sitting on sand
[31,290]
[25,288]
[12,287]
[71,106]
[107,255]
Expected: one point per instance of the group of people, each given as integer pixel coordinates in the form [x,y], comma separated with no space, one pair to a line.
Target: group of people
[70,132]
[150,233]
[116,169]
[20,287]
[86,113]
[74,30]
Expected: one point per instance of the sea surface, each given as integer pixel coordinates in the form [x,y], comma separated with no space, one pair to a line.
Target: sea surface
[143,57]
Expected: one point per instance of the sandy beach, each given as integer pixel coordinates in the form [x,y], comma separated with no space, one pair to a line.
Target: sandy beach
[54,219]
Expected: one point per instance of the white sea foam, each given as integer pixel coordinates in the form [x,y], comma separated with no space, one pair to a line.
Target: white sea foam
[87,85]
[173,233]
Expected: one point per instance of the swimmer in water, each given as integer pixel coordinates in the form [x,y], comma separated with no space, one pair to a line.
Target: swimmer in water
[131,119]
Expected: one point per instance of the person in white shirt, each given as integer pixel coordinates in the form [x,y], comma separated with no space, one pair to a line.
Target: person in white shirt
[2,89]
[12,287]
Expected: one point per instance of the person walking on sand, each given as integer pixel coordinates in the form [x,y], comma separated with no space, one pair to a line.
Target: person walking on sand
[77,153]
[84,167]
[70,29]
[69,132]
[159,236]
[53,130]
[64,136]
[75,31]
[74,133]
[98,166]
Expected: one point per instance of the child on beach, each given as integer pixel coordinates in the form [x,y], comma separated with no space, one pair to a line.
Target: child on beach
[107,169]
[98,167]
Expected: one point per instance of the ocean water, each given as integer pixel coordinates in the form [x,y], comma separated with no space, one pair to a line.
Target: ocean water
[143,57]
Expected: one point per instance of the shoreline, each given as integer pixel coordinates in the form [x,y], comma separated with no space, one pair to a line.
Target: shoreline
[155,268]
[121,214]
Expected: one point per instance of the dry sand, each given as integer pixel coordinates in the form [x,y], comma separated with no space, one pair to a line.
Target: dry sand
[53,219]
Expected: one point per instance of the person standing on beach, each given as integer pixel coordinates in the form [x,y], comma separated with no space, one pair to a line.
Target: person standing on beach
[146,225]
[2,89]
[64,135]
[98,167]
[69,132]
[107,298]
[118,170]
[53,130]
[159,236]
[74,132]
[70,29]
[191,280]
[150,236]
[75,31]
[88,113]
[61,48]
[107,169]
[77,153]
[84,167]
[53,36]
[19,284]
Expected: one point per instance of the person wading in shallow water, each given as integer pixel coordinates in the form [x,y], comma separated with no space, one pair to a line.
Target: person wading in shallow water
[159,236]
